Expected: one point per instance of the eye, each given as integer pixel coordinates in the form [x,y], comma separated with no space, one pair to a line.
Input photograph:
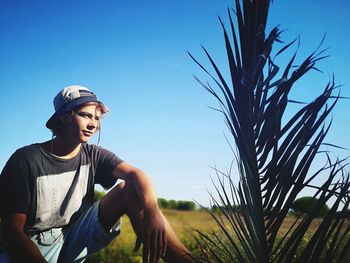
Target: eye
[85,115]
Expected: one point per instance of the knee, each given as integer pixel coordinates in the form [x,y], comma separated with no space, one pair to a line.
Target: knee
[123,196]
[126,189]
[123,192]
[130,196]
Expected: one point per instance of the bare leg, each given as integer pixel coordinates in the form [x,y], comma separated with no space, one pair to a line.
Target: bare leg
[123,199]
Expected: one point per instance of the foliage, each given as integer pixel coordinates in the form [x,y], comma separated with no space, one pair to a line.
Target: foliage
[163,203]
[98,195]
[218,209]
[344,214]
[172,204]
[185,205]
[178,205]
[273,151]
[308,205]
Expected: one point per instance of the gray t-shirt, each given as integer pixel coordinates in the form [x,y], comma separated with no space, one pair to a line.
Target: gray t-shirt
[50,190]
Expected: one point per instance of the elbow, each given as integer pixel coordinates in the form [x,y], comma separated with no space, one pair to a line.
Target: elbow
[8,234]
[137,173]
[11,228]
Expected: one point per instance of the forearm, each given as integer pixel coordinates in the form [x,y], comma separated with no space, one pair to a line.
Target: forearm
[20,247]
[144,188]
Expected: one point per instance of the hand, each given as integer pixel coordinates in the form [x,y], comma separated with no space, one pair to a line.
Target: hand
[152,235]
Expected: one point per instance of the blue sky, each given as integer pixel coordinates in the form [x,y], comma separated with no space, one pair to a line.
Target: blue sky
[133,55]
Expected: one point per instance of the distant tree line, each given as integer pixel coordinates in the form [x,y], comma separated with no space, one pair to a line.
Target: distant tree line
[306,205]
[162,203]
[220,209]
[177,205]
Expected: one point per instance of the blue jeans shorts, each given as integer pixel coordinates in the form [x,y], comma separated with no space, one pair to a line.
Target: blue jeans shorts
[74,243]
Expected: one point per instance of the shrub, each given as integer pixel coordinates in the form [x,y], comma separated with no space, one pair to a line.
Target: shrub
[309,205]
[172,204]
[185,205]
[163,203]
[178,205]
[98,195]
[344,214]
[219,209]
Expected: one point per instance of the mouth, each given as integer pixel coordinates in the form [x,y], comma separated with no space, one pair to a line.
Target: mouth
[88,133]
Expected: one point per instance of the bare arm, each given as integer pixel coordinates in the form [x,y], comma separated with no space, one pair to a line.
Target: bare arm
[141,182]
[153,233]
[18,245]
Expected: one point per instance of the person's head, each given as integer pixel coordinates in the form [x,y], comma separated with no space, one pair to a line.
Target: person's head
[77,113]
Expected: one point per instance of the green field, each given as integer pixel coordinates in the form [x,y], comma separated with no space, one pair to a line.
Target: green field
[183,222]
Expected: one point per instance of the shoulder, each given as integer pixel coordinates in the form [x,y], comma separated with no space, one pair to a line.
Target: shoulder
[94,149]
[101,155]
[29,148]
[28,151]
[22,160]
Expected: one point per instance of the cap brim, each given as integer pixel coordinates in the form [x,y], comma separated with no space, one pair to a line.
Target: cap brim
[69,107]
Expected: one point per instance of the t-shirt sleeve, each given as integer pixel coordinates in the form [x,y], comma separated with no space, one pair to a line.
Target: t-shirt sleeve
[15,186]
[107,162]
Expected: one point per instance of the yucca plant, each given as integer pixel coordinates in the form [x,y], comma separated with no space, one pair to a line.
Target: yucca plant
[273,152]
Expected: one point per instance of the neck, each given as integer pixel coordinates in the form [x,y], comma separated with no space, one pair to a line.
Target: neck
[62,148]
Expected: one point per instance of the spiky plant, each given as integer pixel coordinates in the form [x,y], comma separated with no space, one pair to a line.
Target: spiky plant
[274,153]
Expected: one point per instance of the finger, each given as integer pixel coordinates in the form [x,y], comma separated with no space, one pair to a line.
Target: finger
[165,243]
[138,242]
[159,247]
[153,250]
[145,249]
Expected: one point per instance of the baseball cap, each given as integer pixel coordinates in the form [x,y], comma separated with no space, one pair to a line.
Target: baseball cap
[68,99]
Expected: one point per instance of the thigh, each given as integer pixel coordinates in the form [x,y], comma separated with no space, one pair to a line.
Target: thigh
[122,199]
[49,243]
[113,205]
[86,236]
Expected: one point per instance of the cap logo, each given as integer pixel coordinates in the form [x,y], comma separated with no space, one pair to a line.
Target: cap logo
[73,92]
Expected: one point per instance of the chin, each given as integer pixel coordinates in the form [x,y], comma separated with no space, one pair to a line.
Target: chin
[84,140]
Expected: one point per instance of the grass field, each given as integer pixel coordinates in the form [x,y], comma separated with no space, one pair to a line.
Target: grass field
[184,223]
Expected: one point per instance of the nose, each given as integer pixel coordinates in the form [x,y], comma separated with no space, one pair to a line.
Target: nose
[92,125]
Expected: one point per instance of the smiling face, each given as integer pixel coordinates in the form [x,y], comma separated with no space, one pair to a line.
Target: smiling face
[83,124]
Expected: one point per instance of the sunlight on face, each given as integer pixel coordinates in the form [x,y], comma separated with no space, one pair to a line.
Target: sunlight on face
[85,122]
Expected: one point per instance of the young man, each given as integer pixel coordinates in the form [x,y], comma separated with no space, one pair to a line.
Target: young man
[46,193]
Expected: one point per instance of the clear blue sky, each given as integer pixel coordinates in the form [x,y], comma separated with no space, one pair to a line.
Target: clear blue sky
[133,55]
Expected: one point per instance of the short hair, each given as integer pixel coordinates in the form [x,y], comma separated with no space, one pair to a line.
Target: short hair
[59,123]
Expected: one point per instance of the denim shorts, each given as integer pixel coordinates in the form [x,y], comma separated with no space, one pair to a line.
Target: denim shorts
[74,243]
